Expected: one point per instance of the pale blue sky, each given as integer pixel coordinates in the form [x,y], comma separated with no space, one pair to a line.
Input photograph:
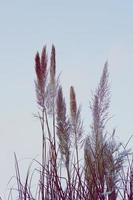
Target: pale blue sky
[86,34]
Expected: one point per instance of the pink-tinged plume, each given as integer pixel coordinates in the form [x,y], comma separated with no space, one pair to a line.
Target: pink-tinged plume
[41,73]
[73,104]
[62,125]
[53,64]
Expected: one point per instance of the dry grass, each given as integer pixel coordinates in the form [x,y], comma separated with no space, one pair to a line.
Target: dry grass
[61,175]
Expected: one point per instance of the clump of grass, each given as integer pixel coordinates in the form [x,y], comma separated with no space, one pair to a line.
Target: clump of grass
[61,174]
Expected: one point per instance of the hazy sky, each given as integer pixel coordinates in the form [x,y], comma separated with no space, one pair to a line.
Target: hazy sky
[86,34]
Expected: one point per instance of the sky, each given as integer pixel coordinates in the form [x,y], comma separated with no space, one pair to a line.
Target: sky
[86,34]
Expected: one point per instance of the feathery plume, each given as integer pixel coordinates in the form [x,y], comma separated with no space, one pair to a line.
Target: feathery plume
[53,64]
[95,157]
[101,104]
[41,73]
[38,66]
[76,122]
[103,160]
[62,126]
[44,62]
[73,104]
[52,85]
